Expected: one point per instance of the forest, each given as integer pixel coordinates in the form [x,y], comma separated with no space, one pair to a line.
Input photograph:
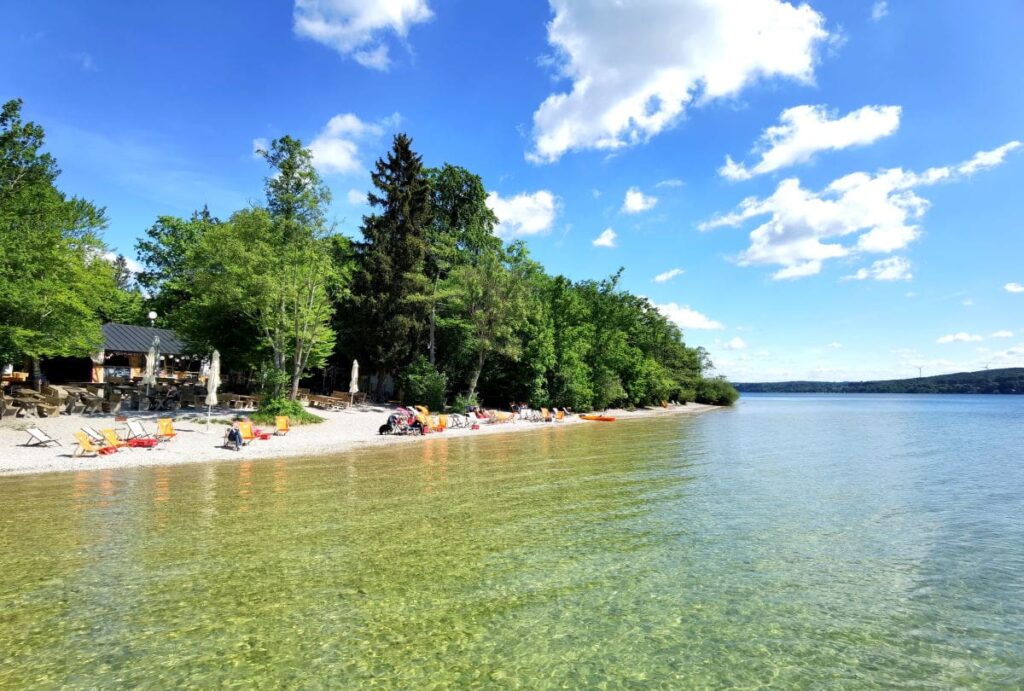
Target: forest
[432,303]
[997,381]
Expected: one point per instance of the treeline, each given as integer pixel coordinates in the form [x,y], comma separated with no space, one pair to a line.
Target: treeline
[997,381]
[429,299]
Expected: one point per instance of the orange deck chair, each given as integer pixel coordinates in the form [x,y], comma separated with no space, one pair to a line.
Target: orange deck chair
[87,448]
[247,434]
[281,422]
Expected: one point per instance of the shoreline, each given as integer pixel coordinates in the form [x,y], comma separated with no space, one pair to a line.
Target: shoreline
[340,432]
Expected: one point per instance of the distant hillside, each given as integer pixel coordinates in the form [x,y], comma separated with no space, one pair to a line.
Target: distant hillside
[1005,381]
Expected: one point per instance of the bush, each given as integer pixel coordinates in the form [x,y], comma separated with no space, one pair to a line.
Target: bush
[422,384]
[462,402]
[716,392]
[273,407]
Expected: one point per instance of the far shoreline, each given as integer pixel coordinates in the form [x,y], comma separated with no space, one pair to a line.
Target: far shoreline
[341,432]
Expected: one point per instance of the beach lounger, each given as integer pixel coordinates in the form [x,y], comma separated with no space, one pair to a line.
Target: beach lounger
[137,431]
[111,439]
[545,415]
[441,423]
[87,448]
[247,433]
[281,423]
[37,437]
[560,416]
[165,429]
[96,436]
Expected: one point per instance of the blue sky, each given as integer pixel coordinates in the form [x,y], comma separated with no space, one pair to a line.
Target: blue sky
[869,221]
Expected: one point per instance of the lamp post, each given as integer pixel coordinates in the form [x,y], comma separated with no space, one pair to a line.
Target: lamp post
[152,318]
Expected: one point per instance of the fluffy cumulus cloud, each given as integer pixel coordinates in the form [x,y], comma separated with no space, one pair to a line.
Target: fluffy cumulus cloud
[635,67]
[336,148]
[132,265]
[736,343]
[879,10]
[356,197]
[960,337]
[687,318]
[666,276]
[637,202]
[835,345]
[858,213]
[356,27]
[1013,288]
[891,269]
[605,239]
[805,130]
[524,214]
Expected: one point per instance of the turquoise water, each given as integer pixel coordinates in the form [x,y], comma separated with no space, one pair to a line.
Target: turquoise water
[793,541]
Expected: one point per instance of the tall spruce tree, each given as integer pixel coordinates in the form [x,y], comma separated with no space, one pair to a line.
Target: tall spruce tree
[390,285]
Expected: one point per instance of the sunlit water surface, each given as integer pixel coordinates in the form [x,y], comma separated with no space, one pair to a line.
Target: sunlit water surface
[794,541]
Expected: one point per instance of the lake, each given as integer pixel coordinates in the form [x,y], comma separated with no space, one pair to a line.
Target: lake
[845,541]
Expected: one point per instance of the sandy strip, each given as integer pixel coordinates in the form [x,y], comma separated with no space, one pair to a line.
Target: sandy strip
[195,443]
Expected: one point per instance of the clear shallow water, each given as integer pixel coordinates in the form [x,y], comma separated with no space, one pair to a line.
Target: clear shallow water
[797,540]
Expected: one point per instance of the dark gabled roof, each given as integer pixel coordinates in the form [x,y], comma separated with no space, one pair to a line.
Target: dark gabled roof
[124,338]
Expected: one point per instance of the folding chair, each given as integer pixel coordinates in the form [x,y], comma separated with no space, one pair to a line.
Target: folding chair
[37,437]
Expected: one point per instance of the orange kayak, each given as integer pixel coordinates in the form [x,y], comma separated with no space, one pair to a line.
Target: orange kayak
[598,418]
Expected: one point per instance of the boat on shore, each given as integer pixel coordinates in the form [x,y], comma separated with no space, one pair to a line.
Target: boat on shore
[598,418]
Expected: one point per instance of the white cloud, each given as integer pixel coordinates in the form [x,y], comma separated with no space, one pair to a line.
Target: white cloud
[687,318]
[635,67]
[1013,288]
[355,27]
[736,343]
[805,228]
[891,269]
[132,265]
[987,159]
[879,10]
[637,202]
[672,182]
[336,148]
[523,214]
[835,345]
[967,302]
[605,239]
[356,197]
[1002,334]
[805,130]
[667,275]
[960,337]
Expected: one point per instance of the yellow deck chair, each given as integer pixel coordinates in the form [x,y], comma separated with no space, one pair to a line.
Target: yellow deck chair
[545,415]
[165,429]
[281,422]
[442,423]
[424,410]
[247,434]
[85,445]
[560,416]
[110,436]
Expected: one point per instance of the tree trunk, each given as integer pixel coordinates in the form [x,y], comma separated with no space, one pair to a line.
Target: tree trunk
[475,377]
[433,312]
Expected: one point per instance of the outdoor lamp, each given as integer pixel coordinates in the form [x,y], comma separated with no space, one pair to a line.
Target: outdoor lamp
[152,317]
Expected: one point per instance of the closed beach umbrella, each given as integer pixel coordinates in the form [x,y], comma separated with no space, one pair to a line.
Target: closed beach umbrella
[353,382]
[154,350]
[213,380]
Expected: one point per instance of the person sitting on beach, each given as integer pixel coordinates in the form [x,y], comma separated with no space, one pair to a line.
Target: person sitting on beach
[233,437]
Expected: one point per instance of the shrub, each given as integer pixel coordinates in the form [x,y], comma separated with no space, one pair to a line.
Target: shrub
[273,407]
[462,402]
[716,391]
[422,384]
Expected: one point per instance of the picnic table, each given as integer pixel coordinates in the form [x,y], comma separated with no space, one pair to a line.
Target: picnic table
[26,405]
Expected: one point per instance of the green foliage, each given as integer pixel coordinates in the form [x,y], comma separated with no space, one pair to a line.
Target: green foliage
[716,391]
[389,287]
[422,384]
[54,280]
[271,408]
[462,402]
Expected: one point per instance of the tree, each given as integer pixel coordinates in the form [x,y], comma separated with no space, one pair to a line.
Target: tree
[272,267]
[125,304]
[53,277]
[390,284]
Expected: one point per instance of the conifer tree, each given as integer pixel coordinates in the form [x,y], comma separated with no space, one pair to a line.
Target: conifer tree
[390,284]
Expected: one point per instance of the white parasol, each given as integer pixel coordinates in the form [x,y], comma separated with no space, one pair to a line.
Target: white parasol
[212,382]
[353,382]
